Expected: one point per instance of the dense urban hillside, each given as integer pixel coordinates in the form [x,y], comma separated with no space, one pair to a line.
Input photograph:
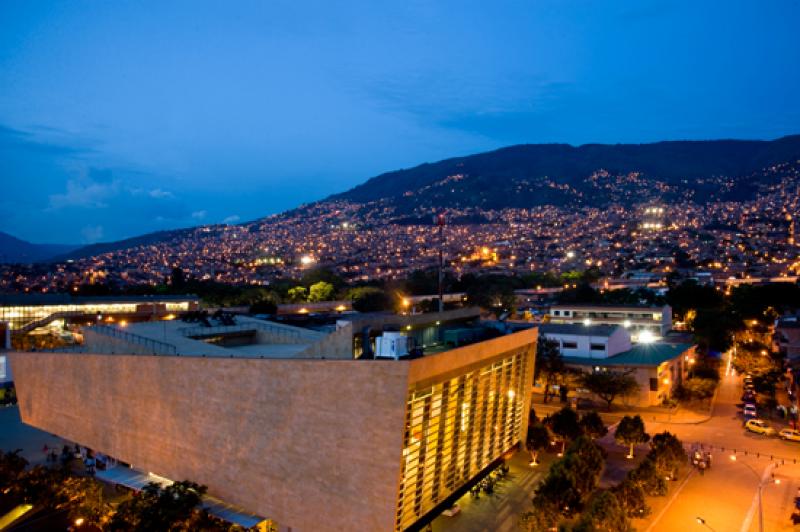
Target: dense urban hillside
[591,175]
[478,189]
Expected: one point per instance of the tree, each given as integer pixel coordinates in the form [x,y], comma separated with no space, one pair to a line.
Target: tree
[544,516]
[592,425]
[369,299]
[157,507]
[11,467]
[667,453]
[493,292]
[571,480]
[267,305]
[633,500]
[538,438]
[647,476]
[565,425]
[699,388]
[630,431]
[604,511]
[608,385]
[297,294]
[322,274]
[177,279]
[321,291]
[549,363]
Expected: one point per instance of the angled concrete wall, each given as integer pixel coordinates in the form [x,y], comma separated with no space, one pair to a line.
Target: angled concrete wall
[315,445]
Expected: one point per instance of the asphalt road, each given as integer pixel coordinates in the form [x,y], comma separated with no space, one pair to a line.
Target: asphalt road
[726,496]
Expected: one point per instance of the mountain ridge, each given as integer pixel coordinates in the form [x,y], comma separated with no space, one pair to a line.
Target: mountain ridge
[529,175]
[13,249]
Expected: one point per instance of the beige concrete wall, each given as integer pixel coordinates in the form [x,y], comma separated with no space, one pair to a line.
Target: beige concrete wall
[314,445]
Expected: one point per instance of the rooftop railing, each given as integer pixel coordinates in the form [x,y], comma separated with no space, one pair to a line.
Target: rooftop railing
[156,346]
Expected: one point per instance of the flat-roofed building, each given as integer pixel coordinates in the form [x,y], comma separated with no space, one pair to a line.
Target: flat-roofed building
[589,341]
[290,425]
[658,369]
[26,312]
[645,323]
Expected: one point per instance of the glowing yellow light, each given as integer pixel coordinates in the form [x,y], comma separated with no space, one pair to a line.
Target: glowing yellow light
[303,310]
[665,381]
[646,337]
[511,394]
[340,308]
[79,521]
[305,260]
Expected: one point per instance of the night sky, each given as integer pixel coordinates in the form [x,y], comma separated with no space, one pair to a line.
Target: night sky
[120,118]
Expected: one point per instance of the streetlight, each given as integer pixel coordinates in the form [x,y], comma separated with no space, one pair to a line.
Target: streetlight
[761,483]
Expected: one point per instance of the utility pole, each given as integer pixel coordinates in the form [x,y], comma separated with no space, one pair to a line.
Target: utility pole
[440,221]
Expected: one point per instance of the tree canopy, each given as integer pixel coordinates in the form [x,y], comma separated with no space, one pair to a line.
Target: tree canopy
[608,385]
[631,431]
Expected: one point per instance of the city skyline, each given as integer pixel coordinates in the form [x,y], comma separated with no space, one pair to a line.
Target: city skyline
[117,121]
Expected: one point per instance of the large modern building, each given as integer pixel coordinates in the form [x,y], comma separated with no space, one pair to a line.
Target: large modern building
[645,323]
[313,431]
[26,312]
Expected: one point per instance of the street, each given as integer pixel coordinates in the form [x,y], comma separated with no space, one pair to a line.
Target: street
[726,496]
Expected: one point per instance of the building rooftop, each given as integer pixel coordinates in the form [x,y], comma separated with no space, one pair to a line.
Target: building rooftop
[7,300]
[578,329]
[606,306]
[242,338]
[638,355]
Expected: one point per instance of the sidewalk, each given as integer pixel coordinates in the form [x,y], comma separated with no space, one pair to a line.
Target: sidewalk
[680,414]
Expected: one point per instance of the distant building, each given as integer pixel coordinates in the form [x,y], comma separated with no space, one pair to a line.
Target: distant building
[645,323]
[26,312]
[308,429]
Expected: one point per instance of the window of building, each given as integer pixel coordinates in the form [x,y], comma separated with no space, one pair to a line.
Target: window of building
[653,385]
[556,313]
[597,347]
[569,345]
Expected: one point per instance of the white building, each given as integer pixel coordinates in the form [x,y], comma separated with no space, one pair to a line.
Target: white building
[645,323]
[588,341]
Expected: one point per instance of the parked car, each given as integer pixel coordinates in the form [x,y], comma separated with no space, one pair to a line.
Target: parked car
[750,410]
[759,426]
[790,435]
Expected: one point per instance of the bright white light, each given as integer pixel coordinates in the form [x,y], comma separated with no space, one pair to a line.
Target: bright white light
[646,337]
[587,322]
[570,254]
[626,323]
[305,260]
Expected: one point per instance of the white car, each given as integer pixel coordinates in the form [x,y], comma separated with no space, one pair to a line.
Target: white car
[750,411]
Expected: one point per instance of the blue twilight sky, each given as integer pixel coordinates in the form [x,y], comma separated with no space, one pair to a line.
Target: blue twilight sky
[119,118]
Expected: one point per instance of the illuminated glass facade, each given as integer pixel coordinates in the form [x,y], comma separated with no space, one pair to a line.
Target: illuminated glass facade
[20,315]
[455,428]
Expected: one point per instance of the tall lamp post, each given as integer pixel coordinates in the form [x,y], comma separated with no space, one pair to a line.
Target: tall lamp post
[441,219]
[761,483]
